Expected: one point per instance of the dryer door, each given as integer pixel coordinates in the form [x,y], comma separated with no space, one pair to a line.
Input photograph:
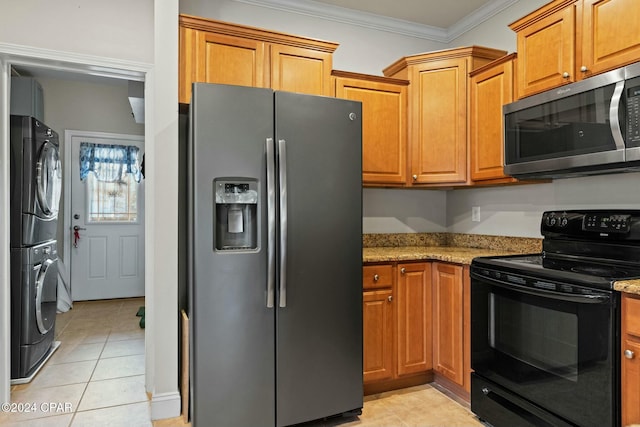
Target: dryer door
[46,295]
[49,179]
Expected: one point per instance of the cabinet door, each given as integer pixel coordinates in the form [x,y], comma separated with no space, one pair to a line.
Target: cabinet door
[378,348]
[384,128]
[607,41]
[546,52]
[439,122]
[301,70]
[414,318]
[448,336]
[230,60]
[490,90]
[631,383]
[630,360]
[217,58]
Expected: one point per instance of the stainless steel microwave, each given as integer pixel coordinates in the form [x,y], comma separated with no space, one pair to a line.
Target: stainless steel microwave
[584,128]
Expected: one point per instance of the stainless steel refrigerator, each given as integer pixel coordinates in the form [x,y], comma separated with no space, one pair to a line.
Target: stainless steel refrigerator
[275,256]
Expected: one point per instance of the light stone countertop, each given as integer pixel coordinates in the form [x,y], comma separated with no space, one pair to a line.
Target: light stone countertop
[629,286]
[457,255]
[455,248]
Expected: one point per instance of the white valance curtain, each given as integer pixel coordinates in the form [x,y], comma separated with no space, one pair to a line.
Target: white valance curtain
[109,162]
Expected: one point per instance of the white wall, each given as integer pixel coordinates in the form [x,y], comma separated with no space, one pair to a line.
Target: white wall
[115,29]
[403,211]
[140,36]
[495,31]
[81,105]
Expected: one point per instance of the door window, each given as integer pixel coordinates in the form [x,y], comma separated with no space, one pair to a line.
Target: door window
[112,174]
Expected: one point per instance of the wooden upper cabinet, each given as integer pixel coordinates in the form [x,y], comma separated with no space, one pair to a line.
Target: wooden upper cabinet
[438,112]
[569,40]
[607,42]
[230,60]
[491,88]
[219,52]
[301,70]
[546,47]
[384,124]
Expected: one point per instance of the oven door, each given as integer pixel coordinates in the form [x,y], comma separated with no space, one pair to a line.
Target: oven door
[552,349]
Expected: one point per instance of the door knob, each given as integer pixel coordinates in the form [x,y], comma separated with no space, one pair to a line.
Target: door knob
[376,277]
[390,298]
[415,177]
[629,354]
[403,270]
[584,68]
[76,228]
[565,75]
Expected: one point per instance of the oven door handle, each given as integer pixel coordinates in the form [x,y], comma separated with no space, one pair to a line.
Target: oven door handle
[581,299]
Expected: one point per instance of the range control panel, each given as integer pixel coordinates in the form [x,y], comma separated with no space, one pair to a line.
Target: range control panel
[607,223]
[589,223]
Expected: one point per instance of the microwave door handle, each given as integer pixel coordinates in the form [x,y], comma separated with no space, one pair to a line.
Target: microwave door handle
[271,222]
[544,293]
[614,120]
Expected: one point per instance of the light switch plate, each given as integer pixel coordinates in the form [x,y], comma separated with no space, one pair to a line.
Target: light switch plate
[475,214]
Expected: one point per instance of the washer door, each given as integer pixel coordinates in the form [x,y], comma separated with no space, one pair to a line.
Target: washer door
[49,179]
[46,295]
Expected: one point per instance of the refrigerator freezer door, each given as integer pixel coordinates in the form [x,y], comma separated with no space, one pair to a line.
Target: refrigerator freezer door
[233,329]
[319,332]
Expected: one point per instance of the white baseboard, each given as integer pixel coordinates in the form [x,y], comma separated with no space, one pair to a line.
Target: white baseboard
[165,405]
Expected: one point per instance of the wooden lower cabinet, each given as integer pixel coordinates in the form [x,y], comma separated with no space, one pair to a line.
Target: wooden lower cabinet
[416,324]
[414,318]
[448,358]
[630,359]
[377,311]
[397,325]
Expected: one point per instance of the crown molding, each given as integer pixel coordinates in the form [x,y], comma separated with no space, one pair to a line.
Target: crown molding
[477,17]
[383,23]
[353,17]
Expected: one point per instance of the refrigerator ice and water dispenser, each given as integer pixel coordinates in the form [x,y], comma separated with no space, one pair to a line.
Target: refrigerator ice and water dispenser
[236,214]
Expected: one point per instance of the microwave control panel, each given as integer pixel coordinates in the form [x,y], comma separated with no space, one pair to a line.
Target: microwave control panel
[633,115]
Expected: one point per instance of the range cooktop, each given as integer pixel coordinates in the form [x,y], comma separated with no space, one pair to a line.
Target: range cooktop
[585,272]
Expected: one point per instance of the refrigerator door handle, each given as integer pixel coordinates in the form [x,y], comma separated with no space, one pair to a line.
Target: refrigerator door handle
[282,165]
[271,222]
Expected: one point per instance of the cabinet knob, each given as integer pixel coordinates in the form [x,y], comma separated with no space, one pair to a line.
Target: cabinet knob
[565,75]
[584,69]
[376,277]
[403,270]
[390,298]
[629,354]
[415,177]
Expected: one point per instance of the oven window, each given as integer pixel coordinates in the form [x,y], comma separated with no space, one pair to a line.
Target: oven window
[537,336]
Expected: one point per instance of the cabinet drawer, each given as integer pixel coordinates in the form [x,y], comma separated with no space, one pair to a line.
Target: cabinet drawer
[377,276]
[632,315]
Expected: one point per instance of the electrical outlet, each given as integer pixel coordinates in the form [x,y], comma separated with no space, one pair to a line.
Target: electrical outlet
[475,214]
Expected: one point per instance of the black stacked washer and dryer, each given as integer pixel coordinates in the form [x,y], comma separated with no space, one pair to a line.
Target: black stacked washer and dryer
[36,178]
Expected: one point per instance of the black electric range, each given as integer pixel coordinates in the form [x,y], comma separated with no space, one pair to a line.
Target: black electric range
[545,328]
[593,248]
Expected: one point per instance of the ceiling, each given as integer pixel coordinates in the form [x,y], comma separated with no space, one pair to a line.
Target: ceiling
[435,13]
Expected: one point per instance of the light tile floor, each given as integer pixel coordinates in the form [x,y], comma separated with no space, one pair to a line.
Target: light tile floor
[96,379]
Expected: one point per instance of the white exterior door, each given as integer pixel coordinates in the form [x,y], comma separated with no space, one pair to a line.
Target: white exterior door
[107,227]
